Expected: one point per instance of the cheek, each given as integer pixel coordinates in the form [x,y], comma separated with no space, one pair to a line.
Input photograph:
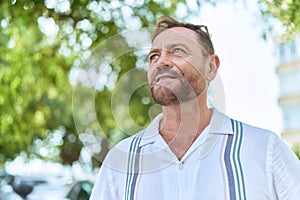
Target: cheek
[196,74]
[201,68]
[191,69]
[148,78]
[150,73]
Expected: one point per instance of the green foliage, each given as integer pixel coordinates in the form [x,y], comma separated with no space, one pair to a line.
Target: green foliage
[40,45]
[33,79]
[285,11]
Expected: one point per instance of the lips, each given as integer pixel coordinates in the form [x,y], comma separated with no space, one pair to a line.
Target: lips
[164,76]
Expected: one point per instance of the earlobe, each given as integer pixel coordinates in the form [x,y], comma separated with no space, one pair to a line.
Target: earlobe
[216,60]
[213,67]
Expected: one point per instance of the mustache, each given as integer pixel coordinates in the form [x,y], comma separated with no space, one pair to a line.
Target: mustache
[166,71]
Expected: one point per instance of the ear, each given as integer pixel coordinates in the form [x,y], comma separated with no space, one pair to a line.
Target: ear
[213,67]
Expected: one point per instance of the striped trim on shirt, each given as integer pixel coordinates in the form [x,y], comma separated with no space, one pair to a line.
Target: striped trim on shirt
[233,171]
[133,167]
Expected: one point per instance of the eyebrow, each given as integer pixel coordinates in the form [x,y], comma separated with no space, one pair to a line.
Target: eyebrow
[169,46]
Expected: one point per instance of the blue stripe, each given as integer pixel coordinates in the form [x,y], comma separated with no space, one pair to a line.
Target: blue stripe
[133,167]
[228,165]
[136,172]
[129,167]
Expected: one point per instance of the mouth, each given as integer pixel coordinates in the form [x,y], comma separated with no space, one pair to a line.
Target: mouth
[164,77]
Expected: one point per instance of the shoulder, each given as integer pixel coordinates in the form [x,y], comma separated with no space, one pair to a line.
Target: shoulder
[256,141]
[129,141]
[255,132]
[266,143]
[124,151]
[117,157]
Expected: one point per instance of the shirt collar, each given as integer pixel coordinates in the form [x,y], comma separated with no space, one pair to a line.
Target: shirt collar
[219,124]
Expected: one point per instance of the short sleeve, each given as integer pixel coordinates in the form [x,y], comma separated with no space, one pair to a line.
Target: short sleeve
[285,171]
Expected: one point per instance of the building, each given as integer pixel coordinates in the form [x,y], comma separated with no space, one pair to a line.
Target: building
[288,71]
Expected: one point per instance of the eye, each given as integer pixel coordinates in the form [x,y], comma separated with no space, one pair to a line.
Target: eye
[177,51]
[153,57]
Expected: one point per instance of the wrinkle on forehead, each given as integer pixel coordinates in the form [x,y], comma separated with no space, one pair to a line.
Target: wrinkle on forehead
[176,35]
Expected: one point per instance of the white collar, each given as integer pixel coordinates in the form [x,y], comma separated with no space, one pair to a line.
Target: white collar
[220,124]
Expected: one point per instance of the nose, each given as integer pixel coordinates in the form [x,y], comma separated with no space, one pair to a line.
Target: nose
[165,59]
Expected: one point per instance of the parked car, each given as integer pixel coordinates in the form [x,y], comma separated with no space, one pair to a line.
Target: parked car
[81,190]
[6,189]
[35,188]
[42,188]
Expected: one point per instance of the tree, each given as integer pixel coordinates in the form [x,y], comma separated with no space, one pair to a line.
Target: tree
[286,12]
[44,43]
[41,44]
[35,91]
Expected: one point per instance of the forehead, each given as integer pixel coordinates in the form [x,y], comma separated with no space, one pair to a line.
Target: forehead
[176,35]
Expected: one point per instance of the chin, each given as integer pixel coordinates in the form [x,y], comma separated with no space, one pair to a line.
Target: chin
[165,99]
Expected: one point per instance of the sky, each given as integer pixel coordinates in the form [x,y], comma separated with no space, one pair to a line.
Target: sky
[248,63]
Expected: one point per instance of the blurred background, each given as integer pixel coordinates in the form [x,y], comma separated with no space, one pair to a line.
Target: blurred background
[46,47]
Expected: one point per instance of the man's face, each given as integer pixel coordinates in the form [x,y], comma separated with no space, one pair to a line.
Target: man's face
[177,66]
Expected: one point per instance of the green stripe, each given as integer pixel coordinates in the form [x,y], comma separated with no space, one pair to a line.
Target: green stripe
[239,160]
[238,131]
[236,138]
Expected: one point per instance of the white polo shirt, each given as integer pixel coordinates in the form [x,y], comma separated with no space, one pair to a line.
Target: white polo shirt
[229,160]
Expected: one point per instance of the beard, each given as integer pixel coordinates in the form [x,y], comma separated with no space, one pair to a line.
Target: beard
[181,89]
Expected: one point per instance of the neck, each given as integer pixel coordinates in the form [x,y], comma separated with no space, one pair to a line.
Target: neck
[185,119]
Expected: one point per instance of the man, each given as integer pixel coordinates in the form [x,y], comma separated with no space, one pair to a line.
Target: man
[191,151]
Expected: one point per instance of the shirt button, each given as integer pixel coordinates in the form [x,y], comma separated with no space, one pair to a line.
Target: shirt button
[181,165]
